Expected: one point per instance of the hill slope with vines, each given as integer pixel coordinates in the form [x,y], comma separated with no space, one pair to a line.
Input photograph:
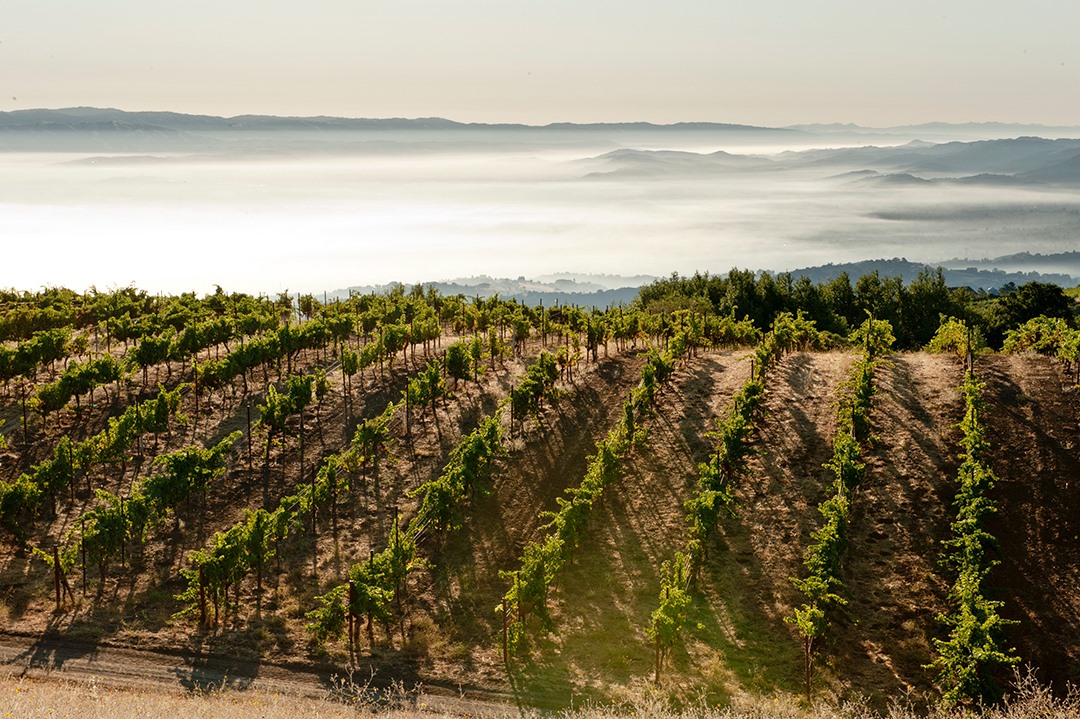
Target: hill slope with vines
[420,378]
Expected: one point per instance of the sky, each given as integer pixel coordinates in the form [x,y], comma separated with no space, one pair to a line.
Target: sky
[769,62]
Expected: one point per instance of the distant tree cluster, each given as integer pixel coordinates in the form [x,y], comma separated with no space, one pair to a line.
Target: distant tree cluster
[914,310]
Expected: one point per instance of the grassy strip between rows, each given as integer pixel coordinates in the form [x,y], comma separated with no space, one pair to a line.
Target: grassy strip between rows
[57,695]
[716,481]
[542,560]
[822,586]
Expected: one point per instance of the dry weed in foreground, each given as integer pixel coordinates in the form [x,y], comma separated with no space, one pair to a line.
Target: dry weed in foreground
[25,698]
[39,698]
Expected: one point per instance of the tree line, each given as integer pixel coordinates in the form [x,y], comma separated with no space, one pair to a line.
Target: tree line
[840,305]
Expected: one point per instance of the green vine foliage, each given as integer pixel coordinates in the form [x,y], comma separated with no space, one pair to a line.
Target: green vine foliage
[22,498]
[350,362]
[537,385]
[370,441]
[77,380]
[427,386]
[466,466]
[375,584]
[672,615]
[328,619]
[459,360]
[68,556]
[954,336]
[185,472]
[822,586]
[115,520]
[975,649]
[1041,334]
[222,565]
[106,528]
[273,346]
[874,336]
[1046,335]
[41,349]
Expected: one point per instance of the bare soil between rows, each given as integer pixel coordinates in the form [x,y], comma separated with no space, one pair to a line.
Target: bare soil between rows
[739,641]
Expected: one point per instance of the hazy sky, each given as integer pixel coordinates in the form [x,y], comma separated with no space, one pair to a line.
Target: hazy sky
[765,62]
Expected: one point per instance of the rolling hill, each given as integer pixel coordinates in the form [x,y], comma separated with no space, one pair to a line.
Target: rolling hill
[442,629]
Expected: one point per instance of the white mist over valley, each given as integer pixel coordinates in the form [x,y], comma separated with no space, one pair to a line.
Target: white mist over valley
[319,208]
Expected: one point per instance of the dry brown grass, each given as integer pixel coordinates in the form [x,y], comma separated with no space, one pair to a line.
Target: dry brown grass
[25,698]
[36,698]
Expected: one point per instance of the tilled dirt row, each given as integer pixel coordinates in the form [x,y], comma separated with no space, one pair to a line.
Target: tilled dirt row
[899,517]
[1032,413]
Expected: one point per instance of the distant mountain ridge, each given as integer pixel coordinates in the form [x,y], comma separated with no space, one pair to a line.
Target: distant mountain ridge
[1009,162]
[601,291]
[111,131]
[626,162]
[989,130]
[984,275]
[163,119]
[91,117]
[585,290]
[106,130]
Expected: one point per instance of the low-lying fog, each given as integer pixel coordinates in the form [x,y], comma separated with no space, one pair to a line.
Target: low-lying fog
[263,222]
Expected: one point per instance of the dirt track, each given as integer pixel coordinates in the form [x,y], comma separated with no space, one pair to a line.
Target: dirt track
[150,671]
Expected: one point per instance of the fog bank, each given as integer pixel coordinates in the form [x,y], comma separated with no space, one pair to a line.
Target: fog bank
[313,221]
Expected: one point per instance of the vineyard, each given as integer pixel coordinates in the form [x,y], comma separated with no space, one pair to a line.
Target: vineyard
[544,502]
